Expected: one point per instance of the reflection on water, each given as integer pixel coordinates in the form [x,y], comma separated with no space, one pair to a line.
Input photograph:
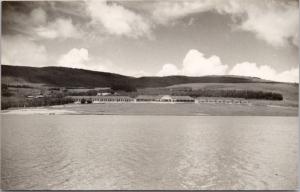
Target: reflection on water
[148,152]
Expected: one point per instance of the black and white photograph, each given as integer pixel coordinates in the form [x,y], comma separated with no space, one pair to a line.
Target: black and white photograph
[149,95]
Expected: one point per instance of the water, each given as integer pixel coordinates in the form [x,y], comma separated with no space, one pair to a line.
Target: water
[148,152]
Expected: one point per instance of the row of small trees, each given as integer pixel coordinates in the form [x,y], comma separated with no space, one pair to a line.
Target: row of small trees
[46,101]
[115,88]
[246,94]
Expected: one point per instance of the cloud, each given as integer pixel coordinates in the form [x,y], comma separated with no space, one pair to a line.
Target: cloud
[80,59]
[75,58]
[195,64]
[117,20]
[20,50]
[37,25]
[169,69]
[165,11]
[60,28]
[291,75]
[276,22]
[38,16]
[139,73]
[264,72]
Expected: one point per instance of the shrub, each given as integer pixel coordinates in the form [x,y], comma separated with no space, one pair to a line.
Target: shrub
[82,101]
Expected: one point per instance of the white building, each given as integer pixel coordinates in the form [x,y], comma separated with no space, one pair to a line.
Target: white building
[224,100]
[102,99]
[164,98]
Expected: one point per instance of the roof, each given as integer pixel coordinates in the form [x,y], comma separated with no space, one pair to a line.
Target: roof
[150,97]
[157,97]
[182,97]
[222,98]
[101,97]
[102,88]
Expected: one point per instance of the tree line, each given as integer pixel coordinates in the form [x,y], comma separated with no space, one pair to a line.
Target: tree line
[37,102]
[246,94]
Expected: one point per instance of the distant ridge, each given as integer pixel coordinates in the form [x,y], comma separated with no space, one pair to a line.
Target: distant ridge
[70,77]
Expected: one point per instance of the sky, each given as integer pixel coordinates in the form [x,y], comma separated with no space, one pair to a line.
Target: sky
[257,38]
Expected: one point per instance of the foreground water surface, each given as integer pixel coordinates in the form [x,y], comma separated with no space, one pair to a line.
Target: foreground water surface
[148,152]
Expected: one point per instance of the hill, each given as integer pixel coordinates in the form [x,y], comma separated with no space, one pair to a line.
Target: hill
[69,77]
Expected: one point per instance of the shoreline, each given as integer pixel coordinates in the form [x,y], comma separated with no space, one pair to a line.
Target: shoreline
[156,109]
[37,111]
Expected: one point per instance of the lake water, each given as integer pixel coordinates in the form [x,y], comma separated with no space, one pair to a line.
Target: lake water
[148,152]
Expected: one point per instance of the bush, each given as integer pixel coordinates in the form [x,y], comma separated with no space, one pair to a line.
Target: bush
[82,101]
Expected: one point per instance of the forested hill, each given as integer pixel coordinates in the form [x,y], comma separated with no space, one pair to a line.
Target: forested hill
[69,77]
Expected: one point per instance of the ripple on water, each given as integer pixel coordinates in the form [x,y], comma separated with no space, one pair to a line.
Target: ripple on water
[149,152]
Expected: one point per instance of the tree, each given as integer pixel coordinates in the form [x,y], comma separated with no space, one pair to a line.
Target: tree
[82,101]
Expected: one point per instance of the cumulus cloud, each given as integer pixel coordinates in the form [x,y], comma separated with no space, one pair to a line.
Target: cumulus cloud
[19,50]
[169,69]
[265,72]
[276,22]
[75,58]
[195,64]
[291,75]
[116,19]
[80,59]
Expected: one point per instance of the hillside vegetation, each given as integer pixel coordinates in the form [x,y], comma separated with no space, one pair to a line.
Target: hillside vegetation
[68,77]
[54,83]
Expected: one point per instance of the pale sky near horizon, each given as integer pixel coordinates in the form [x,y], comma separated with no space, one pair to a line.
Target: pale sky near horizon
[156,38]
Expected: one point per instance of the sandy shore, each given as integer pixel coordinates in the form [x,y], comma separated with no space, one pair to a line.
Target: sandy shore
[42,111]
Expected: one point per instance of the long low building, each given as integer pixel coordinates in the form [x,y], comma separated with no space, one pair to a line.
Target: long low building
[157,99]
[140,98]
[101,99]
[164,98]
[224,100]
